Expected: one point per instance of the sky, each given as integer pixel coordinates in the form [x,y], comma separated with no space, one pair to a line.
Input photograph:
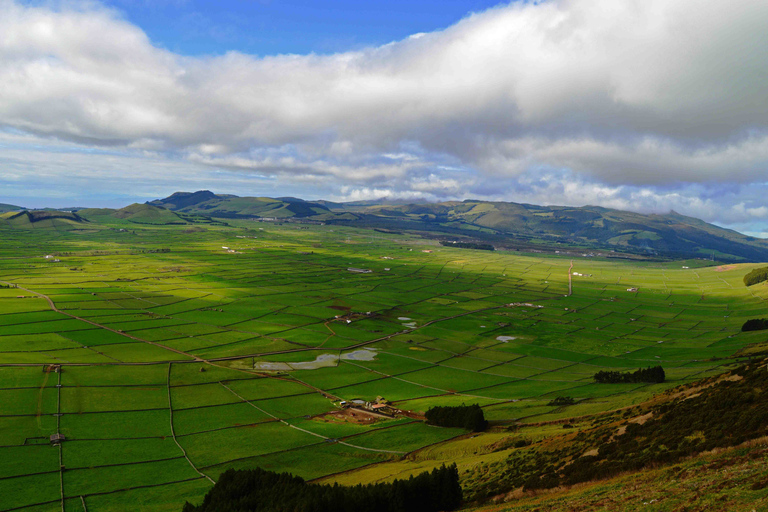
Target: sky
[642,105]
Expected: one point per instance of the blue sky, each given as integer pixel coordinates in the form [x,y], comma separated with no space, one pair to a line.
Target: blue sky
[642,105]
[270,27]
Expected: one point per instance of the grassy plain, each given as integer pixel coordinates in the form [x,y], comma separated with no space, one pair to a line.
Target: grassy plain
[165,335]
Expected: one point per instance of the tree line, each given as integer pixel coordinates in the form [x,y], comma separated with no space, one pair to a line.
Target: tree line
[259,490]
[470,417]
[469,245]
[653,375]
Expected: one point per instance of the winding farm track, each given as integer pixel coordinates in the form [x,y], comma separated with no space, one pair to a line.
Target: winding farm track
[570,279]
[284,422]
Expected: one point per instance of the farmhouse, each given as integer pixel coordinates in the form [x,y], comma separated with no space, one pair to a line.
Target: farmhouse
[56,439]
[633,289]
[383,409]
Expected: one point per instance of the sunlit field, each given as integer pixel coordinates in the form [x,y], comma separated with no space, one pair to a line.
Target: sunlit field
[187,350]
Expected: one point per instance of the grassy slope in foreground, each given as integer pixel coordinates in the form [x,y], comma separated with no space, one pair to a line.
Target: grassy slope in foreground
[734,479]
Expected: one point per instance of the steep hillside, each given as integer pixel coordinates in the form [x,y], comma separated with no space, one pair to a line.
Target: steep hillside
[697,484]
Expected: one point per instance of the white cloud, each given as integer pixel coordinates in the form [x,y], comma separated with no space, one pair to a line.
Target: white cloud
[628,98]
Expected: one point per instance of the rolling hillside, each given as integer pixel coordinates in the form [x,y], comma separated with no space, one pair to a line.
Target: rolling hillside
[142,214]
[42,219]
[508,225]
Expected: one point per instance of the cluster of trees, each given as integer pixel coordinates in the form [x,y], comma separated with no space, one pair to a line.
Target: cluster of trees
[653,375]
[562,400]
[755,324]
[756,276]
[258,490]
[470,417]
[469,245]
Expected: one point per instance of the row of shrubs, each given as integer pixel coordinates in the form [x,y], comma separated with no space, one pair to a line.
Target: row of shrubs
[652,375]
[469,245]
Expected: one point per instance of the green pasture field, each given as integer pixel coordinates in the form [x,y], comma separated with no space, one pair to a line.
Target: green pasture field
[186,375]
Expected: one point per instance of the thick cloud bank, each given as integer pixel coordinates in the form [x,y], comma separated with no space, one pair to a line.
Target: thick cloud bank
[642,98]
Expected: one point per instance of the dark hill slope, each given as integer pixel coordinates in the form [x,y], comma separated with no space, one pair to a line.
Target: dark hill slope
[181,200]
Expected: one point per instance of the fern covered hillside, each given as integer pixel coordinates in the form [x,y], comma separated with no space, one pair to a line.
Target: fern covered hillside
[733,480]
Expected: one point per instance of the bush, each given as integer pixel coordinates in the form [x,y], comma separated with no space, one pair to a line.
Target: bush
[755,324]
[756,276]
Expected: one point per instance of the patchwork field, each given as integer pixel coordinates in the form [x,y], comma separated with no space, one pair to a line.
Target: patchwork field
[185,351]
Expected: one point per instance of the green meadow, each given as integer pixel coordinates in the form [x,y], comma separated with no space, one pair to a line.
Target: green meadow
[184,351]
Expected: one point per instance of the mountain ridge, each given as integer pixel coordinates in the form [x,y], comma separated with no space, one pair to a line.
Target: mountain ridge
[505,224]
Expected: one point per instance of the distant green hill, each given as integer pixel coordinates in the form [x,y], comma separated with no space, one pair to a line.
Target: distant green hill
[591,227]
[502,224]
[207,203]
[41,219]
[143,214]
[9,208]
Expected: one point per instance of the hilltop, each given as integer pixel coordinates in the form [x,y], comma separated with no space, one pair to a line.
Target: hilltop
[503,224]
[209,204]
